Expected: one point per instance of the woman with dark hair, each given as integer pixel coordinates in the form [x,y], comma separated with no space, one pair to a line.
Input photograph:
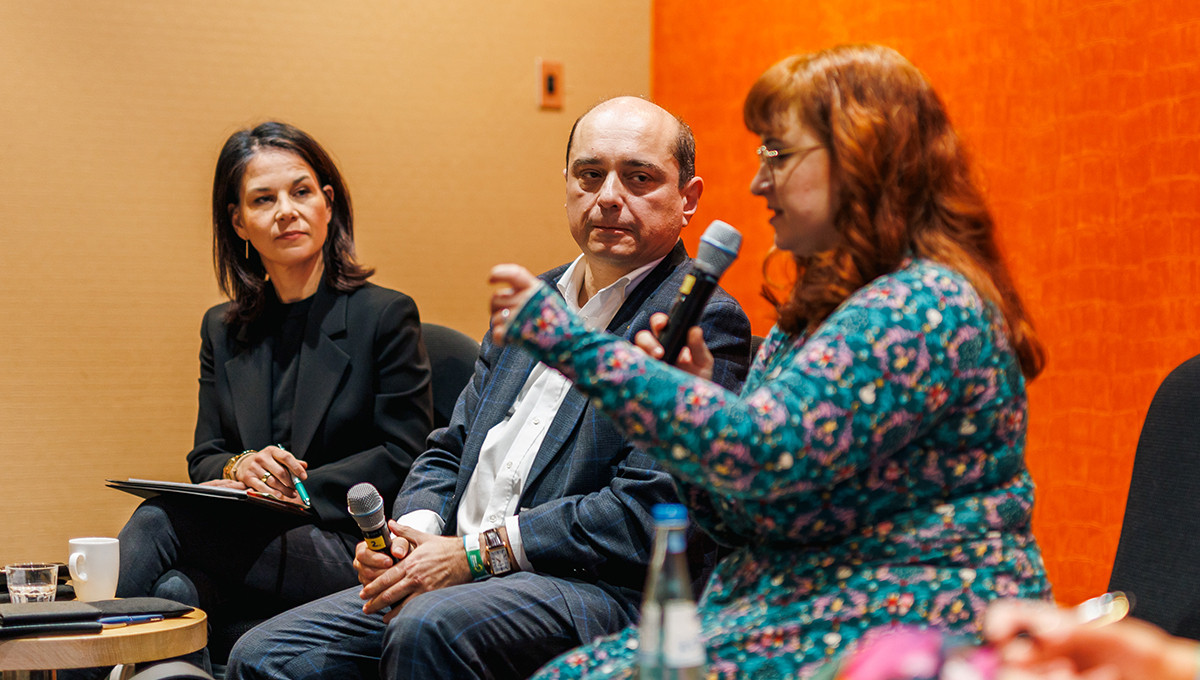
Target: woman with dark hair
[872,470]
[309,372]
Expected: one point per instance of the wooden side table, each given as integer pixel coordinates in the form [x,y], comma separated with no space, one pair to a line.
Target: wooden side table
[121,645]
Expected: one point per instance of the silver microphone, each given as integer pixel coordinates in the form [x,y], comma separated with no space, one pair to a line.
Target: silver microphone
[366,507]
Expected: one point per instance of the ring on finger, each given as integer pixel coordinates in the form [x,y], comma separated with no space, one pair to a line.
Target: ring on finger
[266,476]
[504,313]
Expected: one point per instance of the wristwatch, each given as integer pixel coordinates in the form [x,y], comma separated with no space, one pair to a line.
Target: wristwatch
[497,553]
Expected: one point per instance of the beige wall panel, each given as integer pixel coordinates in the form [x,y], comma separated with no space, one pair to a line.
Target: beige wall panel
[111,117]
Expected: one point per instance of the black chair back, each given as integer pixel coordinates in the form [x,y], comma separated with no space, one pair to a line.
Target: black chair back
[1158,558]
[756,341]
[452,357]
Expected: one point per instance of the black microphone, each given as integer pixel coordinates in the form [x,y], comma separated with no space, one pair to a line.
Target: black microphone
[366,507]
[718,249]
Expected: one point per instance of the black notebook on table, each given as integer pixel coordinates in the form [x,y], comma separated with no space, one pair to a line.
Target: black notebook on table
[49,618]
[149,488]
[71,617]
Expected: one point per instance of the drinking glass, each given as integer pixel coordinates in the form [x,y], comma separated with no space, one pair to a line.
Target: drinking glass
[31,581]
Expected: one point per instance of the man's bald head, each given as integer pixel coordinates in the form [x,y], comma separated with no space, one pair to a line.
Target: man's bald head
[684,149]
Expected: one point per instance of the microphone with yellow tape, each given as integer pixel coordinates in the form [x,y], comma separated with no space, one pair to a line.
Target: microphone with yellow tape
[366,507]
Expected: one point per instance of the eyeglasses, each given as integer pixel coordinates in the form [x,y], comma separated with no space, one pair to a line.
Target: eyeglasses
[774,159]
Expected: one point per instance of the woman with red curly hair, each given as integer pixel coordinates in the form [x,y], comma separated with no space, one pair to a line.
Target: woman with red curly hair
[872,471]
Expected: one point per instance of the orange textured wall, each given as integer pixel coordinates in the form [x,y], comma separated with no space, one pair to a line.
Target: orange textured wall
[1084,120]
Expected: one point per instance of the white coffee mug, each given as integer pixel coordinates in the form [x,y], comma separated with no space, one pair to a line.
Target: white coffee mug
[95,564]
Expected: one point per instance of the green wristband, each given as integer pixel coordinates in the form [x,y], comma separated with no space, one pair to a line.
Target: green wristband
[474,557]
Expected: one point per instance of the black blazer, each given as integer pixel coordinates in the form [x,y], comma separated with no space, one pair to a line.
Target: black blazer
[363,398]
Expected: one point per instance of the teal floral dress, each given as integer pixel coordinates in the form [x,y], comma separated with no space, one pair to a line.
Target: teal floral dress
[871,473]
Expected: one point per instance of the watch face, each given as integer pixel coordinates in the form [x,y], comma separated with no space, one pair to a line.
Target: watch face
[499,560]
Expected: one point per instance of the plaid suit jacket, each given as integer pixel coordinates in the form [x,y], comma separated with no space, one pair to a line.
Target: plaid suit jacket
[585,509]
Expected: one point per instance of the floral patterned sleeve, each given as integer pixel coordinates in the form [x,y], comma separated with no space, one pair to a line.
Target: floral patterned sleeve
[892,360]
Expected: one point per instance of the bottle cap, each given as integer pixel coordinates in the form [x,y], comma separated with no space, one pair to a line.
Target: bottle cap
[670,513]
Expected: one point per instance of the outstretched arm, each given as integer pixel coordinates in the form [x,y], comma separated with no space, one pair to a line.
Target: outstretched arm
[892,359]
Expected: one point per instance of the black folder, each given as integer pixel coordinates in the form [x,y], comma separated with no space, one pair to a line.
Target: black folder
[134,606]
[148,488]
[48,618]
[73,618]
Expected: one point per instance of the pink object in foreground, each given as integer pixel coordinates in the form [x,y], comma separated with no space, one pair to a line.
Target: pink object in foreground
[914,654]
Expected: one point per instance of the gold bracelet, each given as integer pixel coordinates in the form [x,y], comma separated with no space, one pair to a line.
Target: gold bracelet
[230,471]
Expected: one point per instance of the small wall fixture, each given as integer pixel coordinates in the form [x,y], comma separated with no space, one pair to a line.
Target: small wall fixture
[551,73]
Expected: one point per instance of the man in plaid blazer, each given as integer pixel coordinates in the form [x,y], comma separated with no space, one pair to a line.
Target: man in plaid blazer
[525,530]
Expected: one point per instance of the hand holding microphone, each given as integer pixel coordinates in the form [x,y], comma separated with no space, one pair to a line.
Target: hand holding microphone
[718,249]
[694,358]
[366,507]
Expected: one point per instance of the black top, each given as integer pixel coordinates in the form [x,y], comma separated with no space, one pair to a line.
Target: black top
[289,320]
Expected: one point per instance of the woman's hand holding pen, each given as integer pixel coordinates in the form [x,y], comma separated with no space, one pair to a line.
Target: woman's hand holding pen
[270,471]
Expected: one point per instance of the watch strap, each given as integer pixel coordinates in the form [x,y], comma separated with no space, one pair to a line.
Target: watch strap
[499,560]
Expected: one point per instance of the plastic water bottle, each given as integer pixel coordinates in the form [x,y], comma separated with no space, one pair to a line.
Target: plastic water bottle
[669,644]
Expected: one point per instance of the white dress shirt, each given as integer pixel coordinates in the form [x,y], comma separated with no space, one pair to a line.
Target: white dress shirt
[494,489]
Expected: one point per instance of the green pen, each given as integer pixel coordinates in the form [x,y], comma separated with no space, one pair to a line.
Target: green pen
[299,486]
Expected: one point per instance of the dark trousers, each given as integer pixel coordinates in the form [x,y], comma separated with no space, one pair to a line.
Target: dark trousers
[498,628]
[217,554]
